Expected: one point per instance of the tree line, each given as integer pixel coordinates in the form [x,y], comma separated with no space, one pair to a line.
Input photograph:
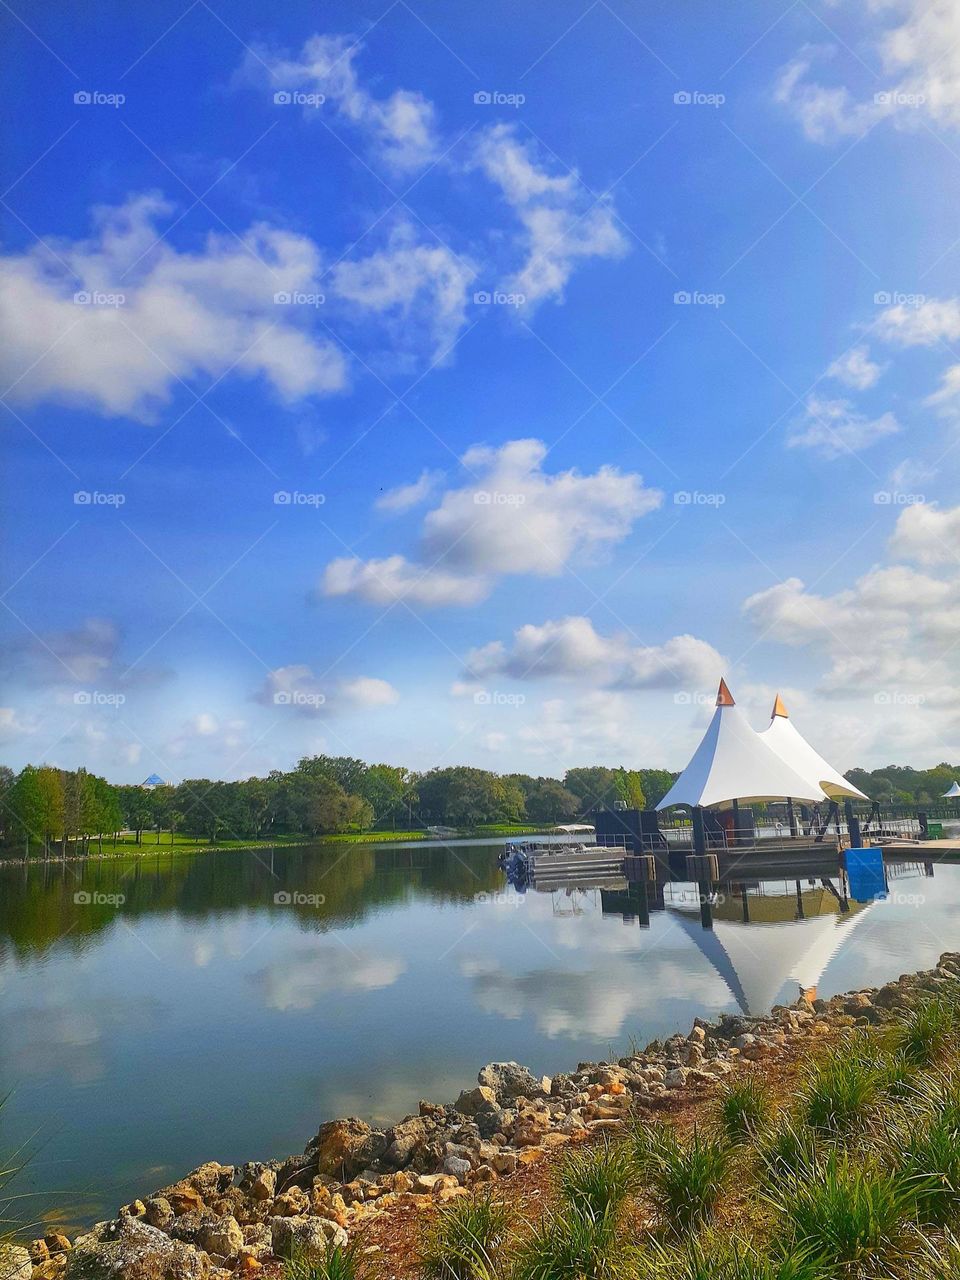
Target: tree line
[45,806]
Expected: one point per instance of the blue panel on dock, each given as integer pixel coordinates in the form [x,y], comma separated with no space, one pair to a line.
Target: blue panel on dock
[866,874]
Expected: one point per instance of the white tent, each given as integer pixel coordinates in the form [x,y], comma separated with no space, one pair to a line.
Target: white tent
[733,762]
[792,747]
[953,792]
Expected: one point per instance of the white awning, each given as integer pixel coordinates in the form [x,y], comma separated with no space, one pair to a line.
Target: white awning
[733,762]
[954,791]
[792,747]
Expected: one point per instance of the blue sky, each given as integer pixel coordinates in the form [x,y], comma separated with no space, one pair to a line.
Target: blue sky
[478,385]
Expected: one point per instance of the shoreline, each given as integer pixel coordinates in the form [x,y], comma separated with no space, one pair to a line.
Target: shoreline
[220,1220]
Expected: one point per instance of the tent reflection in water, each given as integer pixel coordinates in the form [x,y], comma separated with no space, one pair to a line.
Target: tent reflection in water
[757,958]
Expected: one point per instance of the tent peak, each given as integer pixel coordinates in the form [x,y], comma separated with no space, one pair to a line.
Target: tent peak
[779,709]
[724,696]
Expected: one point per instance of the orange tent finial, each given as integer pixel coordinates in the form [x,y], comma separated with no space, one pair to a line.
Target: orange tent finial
[724,696]
[779,709]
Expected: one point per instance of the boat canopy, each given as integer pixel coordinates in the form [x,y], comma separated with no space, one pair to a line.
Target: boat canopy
[734,762]
[786,740]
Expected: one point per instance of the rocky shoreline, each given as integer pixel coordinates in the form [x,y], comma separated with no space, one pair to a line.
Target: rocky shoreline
[222,1220]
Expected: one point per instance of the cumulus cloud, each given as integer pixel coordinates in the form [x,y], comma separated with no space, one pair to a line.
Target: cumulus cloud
[406,496]
[183,314]
[924,324]
[512,517]
[572,648]
[310,971]
[297,687]
[88,654]
[561,221]
[417,290]
[855,369]
[920,54]
[890,633]
[401,127]
[835,428]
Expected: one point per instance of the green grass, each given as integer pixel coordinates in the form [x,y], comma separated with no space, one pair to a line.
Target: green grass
[854,1211]
[598,1180]
[343,1262]
[464,1242]
[926,1157]
[683,1180]
[928,1033]
[744,1108]
[574,1246]
[789,1150]
[841,1092]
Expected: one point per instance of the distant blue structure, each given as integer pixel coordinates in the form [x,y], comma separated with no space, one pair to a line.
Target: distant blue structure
[866,874]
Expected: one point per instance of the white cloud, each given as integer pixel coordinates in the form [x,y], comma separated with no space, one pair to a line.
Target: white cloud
[920,56]
[401,127]
[419,290]
[183,315]
[310,971]
[406,496]
[924,324]
[927,535]
[562,222]
[511,518]
[835,428]
[297,687]
[855,369]
[204,725]
[572,648]
[945,397]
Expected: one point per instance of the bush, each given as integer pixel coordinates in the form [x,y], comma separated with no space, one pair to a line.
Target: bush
[465,1240]
[683,1181]
[574,1246]
[744,1108]
[852,1212]
[598,1180]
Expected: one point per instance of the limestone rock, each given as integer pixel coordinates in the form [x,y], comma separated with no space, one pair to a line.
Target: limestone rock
[307,1237]
[15,1262]
[130,1249]
[509,1080]
[473,1100]
[222,1236]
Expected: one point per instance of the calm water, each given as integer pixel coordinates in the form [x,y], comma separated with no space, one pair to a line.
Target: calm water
[202,1018]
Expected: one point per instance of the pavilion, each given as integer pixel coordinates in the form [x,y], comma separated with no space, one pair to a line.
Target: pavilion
[782,735]
[953,792]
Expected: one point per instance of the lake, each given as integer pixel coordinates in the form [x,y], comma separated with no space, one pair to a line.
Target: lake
[163,1011]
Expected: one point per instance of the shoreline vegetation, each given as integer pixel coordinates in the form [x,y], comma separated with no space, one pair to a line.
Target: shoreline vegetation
[820,1142]
[68,813]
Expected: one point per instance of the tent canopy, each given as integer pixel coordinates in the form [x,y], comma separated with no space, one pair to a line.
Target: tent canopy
[954,791]
[733,762]
[791,746]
